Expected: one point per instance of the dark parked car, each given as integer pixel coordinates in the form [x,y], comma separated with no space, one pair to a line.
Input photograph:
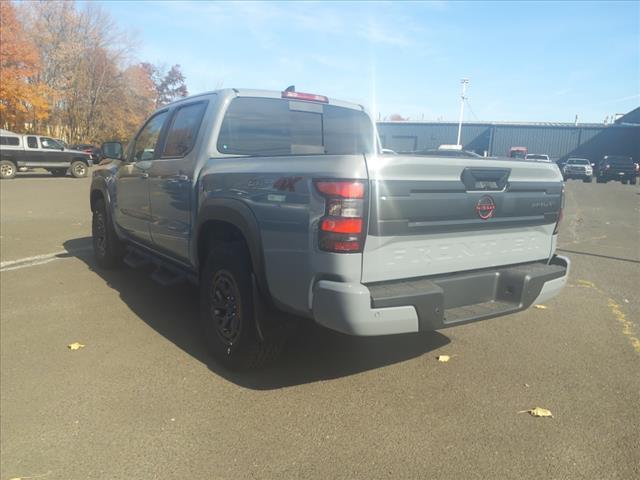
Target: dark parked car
[22,152]
[619,168]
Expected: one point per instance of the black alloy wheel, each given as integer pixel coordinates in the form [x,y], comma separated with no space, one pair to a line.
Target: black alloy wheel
[226,309]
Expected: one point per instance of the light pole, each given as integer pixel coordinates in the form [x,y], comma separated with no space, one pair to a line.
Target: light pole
[464,83]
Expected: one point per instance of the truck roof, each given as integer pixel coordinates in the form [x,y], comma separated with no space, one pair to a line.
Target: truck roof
[249,92]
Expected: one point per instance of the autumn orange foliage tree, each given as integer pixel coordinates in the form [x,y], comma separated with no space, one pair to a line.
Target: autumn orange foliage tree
[79,62]
[23,99]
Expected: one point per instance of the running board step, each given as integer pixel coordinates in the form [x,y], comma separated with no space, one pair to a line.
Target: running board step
[134,259]
[167,277]
[165,273]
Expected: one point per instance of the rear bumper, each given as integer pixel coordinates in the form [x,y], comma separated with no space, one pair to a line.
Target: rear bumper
[439,302]
[616,175]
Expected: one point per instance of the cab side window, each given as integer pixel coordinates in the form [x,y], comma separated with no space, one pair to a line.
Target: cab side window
[147,140]
[49,143]
[32,142]
[183,130]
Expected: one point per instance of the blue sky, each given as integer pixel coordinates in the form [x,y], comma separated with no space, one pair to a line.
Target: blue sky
[529,61]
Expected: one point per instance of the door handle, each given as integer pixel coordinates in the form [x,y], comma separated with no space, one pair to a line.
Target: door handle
[144,175]
[174,179]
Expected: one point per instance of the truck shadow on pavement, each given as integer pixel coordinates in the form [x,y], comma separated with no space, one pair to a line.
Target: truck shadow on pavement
[312,354]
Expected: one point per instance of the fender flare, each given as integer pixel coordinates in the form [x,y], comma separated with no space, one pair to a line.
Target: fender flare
[238,214]
[9,158]
[99,184]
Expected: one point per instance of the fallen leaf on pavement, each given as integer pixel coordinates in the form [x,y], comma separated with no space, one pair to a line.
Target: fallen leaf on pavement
[443,358]
[75,346]
[538,412]
[541,307]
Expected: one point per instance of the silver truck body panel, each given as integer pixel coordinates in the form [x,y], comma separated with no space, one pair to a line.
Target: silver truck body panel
[390,258]
[287,211]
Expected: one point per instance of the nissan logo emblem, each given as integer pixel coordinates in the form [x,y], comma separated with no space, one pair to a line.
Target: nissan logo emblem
[485,207]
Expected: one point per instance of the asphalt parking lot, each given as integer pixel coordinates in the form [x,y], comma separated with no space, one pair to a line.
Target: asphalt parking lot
[143,400]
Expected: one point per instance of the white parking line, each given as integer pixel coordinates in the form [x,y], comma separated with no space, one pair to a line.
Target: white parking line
[38,259]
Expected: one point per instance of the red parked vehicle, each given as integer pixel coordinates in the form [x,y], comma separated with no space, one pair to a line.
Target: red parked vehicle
[518,152]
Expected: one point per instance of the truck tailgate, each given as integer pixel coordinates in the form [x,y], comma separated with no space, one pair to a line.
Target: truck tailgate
[435,215]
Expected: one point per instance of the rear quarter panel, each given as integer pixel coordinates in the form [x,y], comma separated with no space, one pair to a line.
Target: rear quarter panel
[279,191]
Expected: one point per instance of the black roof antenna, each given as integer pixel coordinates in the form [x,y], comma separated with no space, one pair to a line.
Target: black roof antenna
[290,88]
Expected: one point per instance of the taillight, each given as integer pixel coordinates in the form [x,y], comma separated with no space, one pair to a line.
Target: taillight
[341,225]
[341,229]
[341,189]
[310,97]
[560,213]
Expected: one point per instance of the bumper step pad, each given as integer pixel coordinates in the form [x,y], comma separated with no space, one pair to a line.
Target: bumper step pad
[469,296]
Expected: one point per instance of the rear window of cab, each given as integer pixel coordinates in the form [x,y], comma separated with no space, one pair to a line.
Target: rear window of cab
[280,127]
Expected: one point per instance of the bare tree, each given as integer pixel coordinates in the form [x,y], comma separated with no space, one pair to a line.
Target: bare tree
[83,53]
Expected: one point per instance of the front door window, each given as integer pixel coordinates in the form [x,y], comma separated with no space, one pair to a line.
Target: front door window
[145,146]
[50,144]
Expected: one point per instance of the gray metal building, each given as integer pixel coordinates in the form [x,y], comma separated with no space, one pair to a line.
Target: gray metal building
[558,140]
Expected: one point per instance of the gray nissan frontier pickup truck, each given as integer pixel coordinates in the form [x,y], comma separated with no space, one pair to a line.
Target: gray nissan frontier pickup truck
[280,205]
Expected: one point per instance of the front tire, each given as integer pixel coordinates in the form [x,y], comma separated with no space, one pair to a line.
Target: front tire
[7,170]
[587,179]
[633,181]
[227,310]
[107,247]
[79,169]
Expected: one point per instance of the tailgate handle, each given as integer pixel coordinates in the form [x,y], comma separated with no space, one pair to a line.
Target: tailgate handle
[485,178]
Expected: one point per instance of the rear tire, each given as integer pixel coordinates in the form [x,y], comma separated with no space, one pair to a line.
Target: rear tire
[633,181]
[107,247]
[79,169]
[624,182]
[59,172]
[7,170]
[227,311]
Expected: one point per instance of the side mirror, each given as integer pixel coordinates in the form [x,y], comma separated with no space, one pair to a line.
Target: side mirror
[112,150]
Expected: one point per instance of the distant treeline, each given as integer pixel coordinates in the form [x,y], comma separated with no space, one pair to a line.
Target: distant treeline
[67,72]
